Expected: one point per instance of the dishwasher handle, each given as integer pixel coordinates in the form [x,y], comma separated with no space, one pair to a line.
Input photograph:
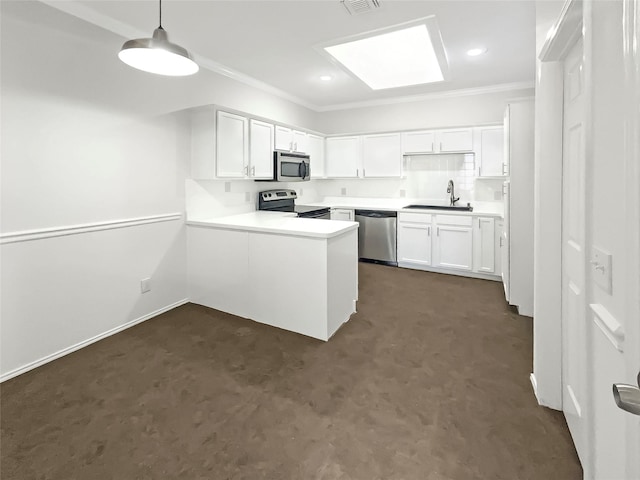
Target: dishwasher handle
[376,213]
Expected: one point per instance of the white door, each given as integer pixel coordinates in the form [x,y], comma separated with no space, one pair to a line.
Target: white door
[315,149]
[283,138]
[615,316]
[484,245]
[414,243]
[491,156]
[417,142]
[453,247]
[458,140]
[574,344]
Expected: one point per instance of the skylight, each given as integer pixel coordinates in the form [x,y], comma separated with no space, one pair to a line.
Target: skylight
[390,60]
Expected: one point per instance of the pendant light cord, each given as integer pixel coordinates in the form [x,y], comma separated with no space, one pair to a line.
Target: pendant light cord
[160,3]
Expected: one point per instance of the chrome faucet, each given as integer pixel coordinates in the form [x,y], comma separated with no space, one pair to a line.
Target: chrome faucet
[451,190]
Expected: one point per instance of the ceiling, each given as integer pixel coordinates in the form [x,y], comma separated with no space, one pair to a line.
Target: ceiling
[273,44]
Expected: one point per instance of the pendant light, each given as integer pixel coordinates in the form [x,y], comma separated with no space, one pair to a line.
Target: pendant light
[158,55]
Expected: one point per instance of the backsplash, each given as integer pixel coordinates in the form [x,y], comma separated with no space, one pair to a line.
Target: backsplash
[426,177]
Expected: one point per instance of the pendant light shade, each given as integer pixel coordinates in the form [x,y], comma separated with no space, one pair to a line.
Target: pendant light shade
[158,55]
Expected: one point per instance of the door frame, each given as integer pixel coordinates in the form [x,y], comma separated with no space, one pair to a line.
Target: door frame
[572,25]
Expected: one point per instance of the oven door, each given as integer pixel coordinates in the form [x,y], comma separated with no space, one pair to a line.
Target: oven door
[291,167]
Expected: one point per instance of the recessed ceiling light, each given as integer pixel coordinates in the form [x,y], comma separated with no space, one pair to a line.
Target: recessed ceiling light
[394,59]
[326,78]
[474,52]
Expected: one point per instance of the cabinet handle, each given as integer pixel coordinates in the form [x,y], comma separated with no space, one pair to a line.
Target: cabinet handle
[501,241]
[438,231]
[432,146]
[479,171]
[253,171]
[291,146]
[504,189]
[295,147]
[428,231]
[364,172]
[504,169]
[246,171]
[440,146]
[357,172]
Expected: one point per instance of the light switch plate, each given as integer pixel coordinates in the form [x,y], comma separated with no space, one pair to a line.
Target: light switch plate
[227,187]
[601,263]
[343,191]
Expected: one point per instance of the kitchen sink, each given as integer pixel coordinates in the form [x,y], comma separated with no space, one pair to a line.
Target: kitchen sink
[456,208]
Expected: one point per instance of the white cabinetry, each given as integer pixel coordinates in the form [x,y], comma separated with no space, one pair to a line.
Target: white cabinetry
[484,245]
[453,244]
[290,140]
[414,240]
[260,150]
[315,149]
[490,152]
[455,140]
[418,142]
[346,214]
[437,141]
[381,155]
[231,145]
[343,157]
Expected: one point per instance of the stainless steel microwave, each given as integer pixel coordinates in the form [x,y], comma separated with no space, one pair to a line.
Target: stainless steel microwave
[291,167]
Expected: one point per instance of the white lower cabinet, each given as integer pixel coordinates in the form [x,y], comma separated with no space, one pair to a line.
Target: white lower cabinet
[346,214]
[453,242]
[414,240]
[484,236]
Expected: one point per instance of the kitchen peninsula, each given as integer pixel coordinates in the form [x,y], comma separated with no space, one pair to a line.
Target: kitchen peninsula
[293,273]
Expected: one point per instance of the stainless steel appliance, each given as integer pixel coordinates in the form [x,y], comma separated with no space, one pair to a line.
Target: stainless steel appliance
[284,200]
[291,167]
[377,236]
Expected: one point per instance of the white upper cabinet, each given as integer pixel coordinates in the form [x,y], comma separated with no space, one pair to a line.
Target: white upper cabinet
[490,151]
[455,140]
[315,150]
[381,155]
[231,145]
[342,157]
[418,142]
[260,150]
[290,140]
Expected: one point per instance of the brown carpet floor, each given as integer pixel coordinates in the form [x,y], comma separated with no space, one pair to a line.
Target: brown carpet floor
[428,381]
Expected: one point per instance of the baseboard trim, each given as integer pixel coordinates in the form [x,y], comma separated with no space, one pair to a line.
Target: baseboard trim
[534,384]
[84,343]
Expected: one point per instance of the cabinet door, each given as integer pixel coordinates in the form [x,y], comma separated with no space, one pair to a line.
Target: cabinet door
[491,152]
[315,149]
[231,145]
[260,149]
[342,157]
[458,140]
[381,155]
[342,214]
[283,138]
[417,142]
[484,245]
[414,243]
[453,245]
[299,142]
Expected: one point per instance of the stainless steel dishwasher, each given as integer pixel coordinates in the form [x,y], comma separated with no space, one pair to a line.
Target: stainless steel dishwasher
[377,236]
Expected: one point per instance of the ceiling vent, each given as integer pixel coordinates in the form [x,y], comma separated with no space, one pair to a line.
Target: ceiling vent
[355,7]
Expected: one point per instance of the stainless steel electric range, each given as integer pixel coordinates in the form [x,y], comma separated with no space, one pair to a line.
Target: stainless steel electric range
[284,200]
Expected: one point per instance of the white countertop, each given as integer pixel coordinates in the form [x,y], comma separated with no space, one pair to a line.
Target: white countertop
[282,223]
[398,204]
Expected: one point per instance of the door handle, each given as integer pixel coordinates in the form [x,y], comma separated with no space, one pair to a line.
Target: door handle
[627,397]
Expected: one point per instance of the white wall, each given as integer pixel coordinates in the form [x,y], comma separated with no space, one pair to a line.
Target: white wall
[87,141]
[453,111]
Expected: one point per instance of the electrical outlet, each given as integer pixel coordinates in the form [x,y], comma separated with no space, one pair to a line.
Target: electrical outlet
[497,195]
[301,191]
[343,191]
[227,187]
[145,285]
[403,193]
[247,196]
